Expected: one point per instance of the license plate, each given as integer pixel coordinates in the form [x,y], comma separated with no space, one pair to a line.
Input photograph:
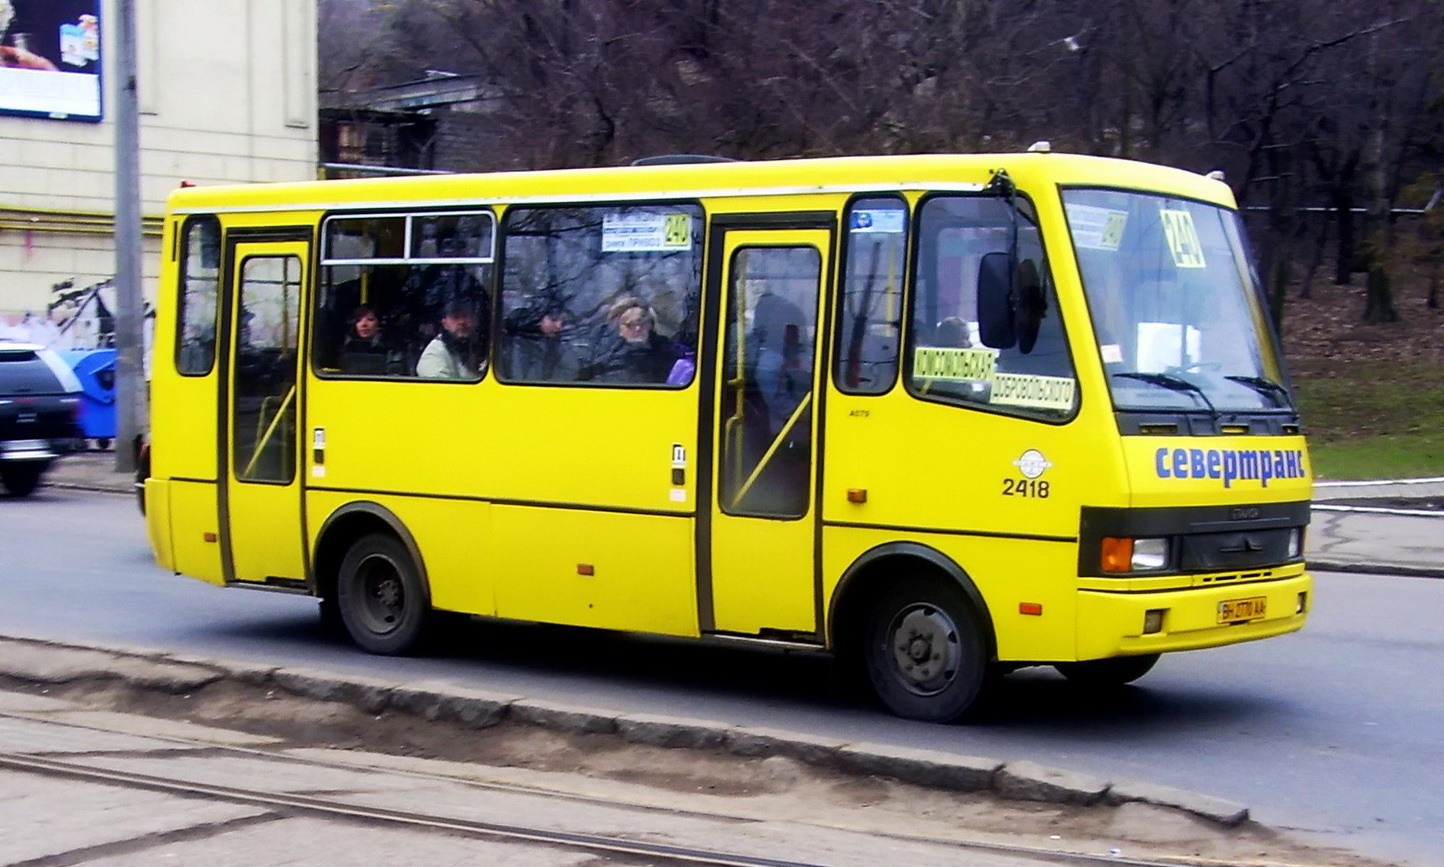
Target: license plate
[1242,610]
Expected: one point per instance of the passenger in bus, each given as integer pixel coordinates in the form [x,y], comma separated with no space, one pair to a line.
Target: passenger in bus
[952,332]
[363,351]
[631,350]
[454,352]
[431,287]
[782,359]
[536,337]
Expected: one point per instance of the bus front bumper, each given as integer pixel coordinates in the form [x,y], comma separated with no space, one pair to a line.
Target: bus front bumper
[1131,623]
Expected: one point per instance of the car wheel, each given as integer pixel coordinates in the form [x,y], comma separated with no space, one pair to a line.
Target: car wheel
[21,479]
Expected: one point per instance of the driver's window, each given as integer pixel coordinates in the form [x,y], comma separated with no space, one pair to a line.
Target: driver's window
[948,352]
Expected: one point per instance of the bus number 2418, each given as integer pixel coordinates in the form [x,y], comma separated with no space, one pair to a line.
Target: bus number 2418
[1025,488]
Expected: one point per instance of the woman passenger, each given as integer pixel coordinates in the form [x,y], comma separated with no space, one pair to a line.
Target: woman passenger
[631,350]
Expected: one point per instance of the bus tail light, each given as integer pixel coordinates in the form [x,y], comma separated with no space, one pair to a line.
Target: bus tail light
[1121,555]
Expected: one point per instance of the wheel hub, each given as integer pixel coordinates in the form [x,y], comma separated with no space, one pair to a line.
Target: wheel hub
[388,593]
[925,648]
[384,594]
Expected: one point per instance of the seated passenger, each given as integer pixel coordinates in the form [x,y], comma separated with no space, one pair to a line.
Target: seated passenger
[537,342]
[363,350]
[630,350]
[454,352]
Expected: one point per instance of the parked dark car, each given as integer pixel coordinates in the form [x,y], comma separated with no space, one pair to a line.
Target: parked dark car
[40,404]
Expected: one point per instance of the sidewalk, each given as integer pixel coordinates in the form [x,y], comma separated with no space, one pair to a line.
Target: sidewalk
[1387,527]
[89,471]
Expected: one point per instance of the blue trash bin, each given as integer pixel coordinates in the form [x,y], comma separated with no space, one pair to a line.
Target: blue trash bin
[95,368]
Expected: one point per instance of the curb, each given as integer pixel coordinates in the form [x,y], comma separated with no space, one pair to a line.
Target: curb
[117,487]
[1375,568]
[42,662]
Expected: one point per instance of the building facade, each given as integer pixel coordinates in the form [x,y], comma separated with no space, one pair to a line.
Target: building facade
[227,92]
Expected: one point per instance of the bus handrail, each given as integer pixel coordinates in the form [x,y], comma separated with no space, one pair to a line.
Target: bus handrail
[270,430]
[772,449]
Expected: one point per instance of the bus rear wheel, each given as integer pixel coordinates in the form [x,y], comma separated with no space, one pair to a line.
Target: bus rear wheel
[1108,672]
[382,600]
[925,651]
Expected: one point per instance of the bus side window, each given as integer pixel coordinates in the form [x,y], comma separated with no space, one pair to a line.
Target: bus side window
[607,295]
[196,296]
[871,299]
[380,304]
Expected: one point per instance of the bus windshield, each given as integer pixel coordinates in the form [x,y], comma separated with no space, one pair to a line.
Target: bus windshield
[1176,308]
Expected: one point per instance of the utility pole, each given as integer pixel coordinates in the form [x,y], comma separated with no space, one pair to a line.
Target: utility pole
[130,392]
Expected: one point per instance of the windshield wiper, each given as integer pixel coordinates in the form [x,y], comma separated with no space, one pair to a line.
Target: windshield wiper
[1173,383]
[1266,387]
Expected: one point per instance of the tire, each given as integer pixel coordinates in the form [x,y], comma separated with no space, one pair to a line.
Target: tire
[1115,671]
[330,613]
[926,651]
[21,479]
[142,472]
[383,602]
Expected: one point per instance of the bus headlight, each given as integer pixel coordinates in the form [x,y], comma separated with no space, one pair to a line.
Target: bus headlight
[1296,543]
[1149,554]
[1121,555]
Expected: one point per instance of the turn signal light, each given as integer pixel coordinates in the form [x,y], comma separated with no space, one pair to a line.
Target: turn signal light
[1121,555]
[1117,555]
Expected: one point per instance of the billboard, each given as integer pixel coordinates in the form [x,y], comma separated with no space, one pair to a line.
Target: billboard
[50,58]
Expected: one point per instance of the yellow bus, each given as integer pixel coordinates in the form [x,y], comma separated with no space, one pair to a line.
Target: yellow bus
[942,416]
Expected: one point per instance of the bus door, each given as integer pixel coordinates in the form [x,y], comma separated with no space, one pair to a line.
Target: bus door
[262,535]
[763,512]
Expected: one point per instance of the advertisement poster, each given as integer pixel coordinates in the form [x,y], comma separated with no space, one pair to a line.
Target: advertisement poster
[50,58]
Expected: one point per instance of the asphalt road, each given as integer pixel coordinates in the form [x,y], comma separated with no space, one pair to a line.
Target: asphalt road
[1332,731]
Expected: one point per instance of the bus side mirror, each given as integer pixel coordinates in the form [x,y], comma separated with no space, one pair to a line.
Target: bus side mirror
[996,326]
[1031,304]
[1011,302]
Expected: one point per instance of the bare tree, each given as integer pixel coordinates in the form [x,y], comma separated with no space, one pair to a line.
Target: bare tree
[352,36]
[1305,104]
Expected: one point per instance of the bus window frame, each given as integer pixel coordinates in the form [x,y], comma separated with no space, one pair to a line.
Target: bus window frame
[182,292]
[405,214]
[908,344]
[498,313]
[905,289]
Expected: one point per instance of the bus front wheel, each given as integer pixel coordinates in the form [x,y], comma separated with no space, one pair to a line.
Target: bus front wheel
[382,599]
[1108,672]
[925,651]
